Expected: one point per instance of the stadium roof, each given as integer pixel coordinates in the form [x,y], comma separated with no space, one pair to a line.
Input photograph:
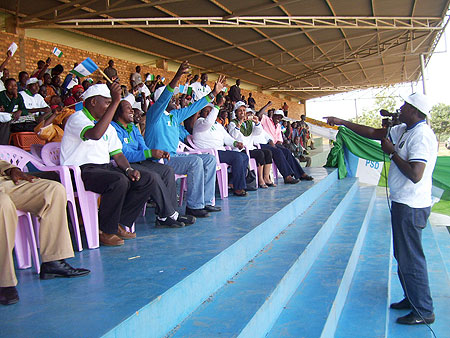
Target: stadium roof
[302,48]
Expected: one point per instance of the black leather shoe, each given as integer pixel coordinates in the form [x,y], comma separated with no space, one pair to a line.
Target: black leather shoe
[212,208]
[292,181]
[9,295]
[60,268]
[168,223]
[414,319]
[401,305]
[186,219]
[197,212]
[306,177]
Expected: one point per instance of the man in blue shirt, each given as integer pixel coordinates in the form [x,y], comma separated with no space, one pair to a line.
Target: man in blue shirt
[162,132]
[163,191]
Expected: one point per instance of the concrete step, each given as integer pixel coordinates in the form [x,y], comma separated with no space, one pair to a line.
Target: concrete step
[264,286]
[316,305]
[365,311]
[160,316]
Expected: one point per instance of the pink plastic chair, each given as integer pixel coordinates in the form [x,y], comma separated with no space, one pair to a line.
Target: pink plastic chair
[183,185]
[26,243]
[35,150]
[21,158]
[86,199]
[222,168]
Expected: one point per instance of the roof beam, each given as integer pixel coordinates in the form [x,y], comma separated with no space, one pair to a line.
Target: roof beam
[283,22]
[403,39]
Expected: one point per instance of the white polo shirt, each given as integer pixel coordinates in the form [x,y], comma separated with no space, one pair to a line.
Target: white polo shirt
[77,150]
[415,144]
[199,91]
[33,101]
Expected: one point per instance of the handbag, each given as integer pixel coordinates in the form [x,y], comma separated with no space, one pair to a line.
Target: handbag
[250,180]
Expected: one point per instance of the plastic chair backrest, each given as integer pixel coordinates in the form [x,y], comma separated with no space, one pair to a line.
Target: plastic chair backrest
[50,153]
[18,157]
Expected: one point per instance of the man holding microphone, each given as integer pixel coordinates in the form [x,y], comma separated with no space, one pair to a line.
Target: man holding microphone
[412,148]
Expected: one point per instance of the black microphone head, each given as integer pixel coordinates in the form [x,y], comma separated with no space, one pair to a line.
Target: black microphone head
[384,112]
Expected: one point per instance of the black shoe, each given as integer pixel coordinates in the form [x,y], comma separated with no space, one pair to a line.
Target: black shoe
[168,223]
[414,319]
[306,178]
[292,181]
[186,219]
[401,305]
[201,213]
[8,295]
[212,208]
[60,268]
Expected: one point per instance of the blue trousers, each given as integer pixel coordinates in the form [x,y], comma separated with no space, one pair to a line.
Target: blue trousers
[201,177]
[285,161]
[407,226]
[239,163]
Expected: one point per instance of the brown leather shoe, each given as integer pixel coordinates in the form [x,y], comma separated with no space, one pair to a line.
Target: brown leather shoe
[110,239]
[122,233]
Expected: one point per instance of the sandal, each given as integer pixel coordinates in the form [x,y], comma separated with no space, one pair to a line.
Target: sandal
[263,186]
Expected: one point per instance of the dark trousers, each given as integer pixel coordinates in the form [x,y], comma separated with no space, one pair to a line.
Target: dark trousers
[164,191]
[407,226]
[4,132]
[285,161]
[239,163]
[122,199]
[261,156]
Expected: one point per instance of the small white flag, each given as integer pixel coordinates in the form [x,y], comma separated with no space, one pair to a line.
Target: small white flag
[57,52]
[13,47]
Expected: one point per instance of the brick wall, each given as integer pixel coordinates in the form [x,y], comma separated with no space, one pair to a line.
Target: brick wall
[35,50]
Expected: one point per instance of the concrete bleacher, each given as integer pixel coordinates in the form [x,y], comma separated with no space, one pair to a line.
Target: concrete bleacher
[306,260]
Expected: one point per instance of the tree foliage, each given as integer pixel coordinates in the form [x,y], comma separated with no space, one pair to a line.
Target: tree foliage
[371,117]
[440,120]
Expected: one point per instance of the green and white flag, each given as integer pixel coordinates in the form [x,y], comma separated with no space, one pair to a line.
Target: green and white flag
[57,52]
[85,68]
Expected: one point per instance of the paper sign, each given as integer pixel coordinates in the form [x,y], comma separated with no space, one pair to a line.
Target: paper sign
[13,47]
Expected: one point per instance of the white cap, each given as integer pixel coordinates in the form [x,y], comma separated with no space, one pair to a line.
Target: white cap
[419,101]
[278,112]
[250,110]
[239,104]
[96,90]
[137,105]
[32,80]
[130,98]
[158,93]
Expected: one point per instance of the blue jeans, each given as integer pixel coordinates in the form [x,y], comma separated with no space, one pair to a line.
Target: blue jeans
[407,226]
[239,163]
[201,177]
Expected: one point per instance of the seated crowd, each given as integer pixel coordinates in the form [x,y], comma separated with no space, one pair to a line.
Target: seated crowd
[126,141]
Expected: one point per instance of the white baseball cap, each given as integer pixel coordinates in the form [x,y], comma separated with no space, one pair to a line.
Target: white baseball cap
[130,98]
[239,104]
[278,112]
[158,93]
[32,80]
[96,90]
[419,101]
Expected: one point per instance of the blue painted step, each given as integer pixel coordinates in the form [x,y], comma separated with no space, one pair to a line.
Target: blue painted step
[365,311]
[161,314]
[315,307]
[263,287]
[440,291]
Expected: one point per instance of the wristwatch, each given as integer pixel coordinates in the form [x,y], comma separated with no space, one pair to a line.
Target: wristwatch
[391,155]
[127,169]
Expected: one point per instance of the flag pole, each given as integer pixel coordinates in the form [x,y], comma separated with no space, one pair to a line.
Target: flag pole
[104,75]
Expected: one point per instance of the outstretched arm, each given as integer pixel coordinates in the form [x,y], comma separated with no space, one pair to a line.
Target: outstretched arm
[369,132]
